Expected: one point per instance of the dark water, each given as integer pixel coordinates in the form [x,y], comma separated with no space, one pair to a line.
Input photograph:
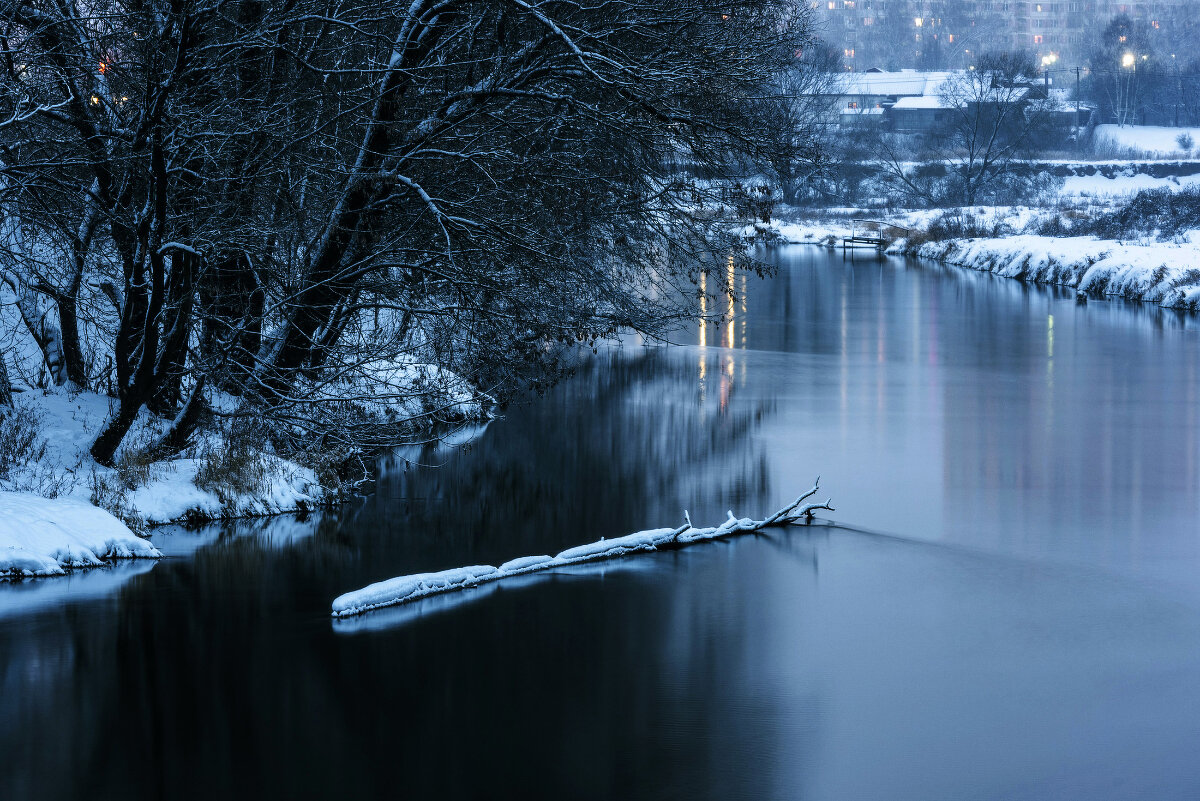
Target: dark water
[1009,609]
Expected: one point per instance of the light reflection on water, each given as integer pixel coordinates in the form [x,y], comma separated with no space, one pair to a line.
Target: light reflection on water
[1027,625]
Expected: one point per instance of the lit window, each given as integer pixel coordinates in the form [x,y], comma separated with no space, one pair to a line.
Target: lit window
[1037,40]
[918,22]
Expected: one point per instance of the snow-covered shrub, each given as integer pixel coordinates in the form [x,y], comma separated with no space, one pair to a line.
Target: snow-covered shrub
[21,442]
[23,463]
[1185,142]
[237,464]
[1160,212]
[955,224]
[110,492]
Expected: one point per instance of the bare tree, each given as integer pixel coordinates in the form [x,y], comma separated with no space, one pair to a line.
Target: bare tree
[987,119]
[804,117]
[342,213]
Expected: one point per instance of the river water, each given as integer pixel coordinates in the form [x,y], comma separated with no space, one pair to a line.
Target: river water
[1008,606]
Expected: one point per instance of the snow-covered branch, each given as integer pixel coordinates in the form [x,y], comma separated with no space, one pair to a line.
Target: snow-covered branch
[406,589]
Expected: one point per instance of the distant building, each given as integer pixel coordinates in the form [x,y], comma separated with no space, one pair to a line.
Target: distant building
[950,34]
[865,98]
[912,115]
[916,102]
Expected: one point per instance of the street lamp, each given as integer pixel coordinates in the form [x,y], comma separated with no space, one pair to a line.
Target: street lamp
[1128,60]
[1047,61]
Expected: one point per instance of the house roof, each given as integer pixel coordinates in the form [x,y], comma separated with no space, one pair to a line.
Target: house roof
[905,83]
[933,102]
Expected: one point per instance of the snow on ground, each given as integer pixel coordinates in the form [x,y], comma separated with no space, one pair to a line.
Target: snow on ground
[1099,187]
[1167,274]
[829,230]
[163,491]
[44,537]
[1153,140]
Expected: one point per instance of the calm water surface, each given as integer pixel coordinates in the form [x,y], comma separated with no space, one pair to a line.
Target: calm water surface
[1007,608]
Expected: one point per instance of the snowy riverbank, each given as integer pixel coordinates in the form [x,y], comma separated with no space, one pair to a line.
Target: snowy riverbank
[1166,274]
[1163,273]
[60,426]
[47,537]
[60,510]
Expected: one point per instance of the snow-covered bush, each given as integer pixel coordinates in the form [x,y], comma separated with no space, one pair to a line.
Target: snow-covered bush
[956,224]
[1185,142]
[110,492]
[21,443]
[1152,212]
[237,464]
[23,463]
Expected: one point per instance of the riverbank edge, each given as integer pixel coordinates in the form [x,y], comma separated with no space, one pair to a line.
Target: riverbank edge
[56,427]
[1164,274]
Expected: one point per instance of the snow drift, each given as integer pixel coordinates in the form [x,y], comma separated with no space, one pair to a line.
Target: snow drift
[405,589]
[41,537]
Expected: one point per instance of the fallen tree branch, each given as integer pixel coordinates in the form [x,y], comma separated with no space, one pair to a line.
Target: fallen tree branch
[406,589]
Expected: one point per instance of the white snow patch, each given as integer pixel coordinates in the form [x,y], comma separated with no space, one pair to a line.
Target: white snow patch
[1154,140]
[410,588]
[44,537]
[1100,187]
[524,563]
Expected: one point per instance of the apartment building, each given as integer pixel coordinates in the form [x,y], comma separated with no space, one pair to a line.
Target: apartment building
[949,34]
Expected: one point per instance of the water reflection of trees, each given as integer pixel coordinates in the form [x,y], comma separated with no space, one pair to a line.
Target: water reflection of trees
[220,670]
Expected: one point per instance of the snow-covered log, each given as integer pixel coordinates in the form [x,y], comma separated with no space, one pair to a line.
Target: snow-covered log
[405,589]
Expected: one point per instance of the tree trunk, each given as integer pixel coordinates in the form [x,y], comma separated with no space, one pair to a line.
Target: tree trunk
[179,435]
[72,352]
[105,446]
[5,384]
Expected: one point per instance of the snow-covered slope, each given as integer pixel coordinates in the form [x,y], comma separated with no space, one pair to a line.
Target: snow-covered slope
[1164,273]
[44,537]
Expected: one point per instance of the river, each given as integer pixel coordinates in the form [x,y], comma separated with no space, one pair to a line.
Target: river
[1008,606]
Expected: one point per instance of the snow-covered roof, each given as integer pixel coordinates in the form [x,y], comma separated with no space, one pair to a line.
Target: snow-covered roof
[902,83]
[920,102]
[861,111]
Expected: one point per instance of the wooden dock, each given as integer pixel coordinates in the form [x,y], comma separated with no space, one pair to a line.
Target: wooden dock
[875,234]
